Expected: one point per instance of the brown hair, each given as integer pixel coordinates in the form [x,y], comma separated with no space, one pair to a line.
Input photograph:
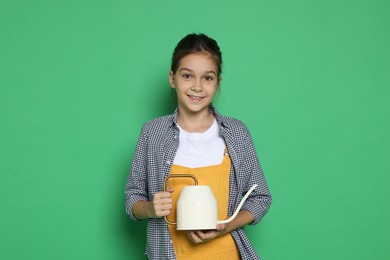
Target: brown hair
[193,43]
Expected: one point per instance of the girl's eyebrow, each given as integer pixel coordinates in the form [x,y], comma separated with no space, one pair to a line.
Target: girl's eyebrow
[211,71]
[185,69]
[206,72]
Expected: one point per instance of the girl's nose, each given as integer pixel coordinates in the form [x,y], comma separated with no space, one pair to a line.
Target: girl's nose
[197,86]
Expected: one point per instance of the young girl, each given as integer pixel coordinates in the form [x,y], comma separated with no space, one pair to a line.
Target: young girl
[196,139]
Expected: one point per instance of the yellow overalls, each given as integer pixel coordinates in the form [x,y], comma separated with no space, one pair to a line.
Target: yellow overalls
[217,177]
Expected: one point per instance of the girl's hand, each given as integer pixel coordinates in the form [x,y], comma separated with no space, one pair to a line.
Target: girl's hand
[161,204]
[201,236]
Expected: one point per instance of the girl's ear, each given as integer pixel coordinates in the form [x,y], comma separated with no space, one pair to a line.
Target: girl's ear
[172,79]
[219,82]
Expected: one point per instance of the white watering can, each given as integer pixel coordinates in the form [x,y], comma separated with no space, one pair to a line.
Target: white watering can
[197,208]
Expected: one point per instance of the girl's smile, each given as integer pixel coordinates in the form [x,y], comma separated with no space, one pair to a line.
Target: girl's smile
[195,98]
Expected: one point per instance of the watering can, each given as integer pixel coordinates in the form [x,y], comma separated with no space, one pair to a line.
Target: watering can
[197,207]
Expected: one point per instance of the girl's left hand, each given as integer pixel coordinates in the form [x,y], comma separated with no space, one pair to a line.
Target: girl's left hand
[201,236]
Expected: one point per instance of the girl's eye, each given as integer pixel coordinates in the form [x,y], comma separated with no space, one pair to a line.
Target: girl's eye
[209,78]
[187,76]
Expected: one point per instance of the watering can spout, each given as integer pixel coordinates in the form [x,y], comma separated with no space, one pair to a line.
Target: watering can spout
[239,206]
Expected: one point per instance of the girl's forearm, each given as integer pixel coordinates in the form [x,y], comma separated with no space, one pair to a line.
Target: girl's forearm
[141,209]
[244,217]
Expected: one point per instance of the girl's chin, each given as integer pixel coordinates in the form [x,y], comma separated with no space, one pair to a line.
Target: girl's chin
[194,108]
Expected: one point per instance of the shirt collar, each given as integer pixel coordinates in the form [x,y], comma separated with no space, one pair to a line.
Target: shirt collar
[212,109]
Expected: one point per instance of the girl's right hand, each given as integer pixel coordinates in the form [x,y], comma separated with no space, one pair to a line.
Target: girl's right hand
[161,204]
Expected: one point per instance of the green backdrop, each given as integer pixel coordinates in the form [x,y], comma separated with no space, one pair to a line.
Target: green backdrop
[79,78]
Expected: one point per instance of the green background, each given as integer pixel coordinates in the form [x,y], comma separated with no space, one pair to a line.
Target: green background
[309,78]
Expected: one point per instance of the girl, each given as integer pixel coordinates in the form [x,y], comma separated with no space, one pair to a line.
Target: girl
[196,139]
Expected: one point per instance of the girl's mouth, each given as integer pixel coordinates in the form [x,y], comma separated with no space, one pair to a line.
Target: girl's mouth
[195,98]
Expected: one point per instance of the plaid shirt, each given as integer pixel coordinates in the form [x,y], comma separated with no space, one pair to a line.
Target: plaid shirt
[152,161]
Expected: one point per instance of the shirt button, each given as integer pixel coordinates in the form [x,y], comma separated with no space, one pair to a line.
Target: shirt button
[175,137]
[168,162]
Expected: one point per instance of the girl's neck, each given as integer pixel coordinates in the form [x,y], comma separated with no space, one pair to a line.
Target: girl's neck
[195,123]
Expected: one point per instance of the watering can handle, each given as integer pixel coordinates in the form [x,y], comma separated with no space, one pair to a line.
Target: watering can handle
[177,176]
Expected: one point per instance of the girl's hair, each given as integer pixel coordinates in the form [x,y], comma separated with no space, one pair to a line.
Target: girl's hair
[193,43]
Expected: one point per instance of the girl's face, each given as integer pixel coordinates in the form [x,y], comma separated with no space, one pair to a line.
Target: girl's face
[196,82]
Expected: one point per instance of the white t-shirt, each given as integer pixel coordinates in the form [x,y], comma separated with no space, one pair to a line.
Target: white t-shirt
[200,149]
